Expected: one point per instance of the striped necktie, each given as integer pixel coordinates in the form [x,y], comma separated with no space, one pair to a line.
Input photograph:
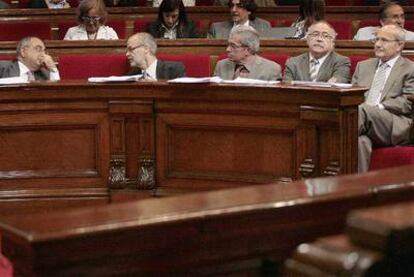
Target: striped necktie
[313,71]
[30,76]
[377,86]
[240,71]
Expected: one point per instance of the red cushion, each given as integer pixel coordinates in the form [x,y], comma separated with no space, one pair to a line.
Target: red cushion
[355,60]
[14,31]
[140,24]
[343,28]
[280,59]
[6,268]
[119,27]
[391,156]
[92,65]
[368,22]
[196,65]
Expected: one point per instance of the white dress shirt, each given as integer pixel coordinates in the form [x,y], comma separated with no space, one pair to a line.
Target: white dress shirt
[79,33]
[53,75]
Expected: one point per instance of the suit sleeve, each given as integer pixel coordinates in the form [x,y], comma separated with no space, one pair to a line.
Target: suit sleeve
[217,71]
[342,70]
[289,69]
[355,79]
[400,105]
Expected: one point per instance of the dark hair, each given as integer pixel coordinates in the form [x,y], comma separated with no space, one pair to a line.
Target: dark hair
[311,11]
[248,5]
[383,9]
[86,5]
[171,5]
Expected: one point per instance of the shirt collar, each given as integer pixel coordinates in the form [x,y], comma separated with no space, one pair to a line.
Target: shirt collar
[320,60]
[247,23]
[390,62]
[22,68]
[152,70]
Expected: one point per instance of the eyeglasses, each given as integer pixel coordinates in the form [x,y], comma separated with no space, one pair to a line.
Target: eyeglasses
[383,40]
[324,35]
[91,18]
[131,49]
[234,46]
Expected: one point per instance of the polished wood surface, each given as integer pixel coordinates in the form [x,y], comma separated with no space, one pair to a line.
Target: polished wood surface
[378,242]
[212,232]
[73,139]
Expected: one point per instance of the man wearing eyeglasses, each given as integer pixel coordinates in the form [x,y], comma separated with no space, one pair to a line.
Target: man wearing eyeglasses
[389,13]
[243,61]
[32,62]
[321,63]
[242,14]
[385,116]
[141,50]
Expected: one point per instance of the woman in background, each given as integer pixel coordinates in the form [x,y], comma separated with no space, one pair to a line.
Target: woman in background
[92,18]
[310,11]
[172,22]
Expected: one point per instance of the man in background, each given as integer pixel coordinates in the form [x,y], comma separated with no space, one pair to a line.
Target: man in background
[141,51]
[242,14]
[321,63]
[385,117]
[243,61]
[390,13]
[32,62]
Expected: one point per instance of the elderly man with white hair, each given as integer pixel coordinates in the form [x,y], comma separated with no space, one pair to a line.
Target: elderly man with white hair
[385,118]
[243,60]
[321,63]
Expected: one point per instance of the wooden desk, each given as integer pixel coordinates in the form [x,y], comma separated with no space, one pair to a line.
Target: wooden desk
[216,233]
[67,139]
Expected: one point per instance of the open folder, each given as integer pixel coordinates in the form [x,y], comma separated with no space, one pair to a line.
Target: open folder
[127,78]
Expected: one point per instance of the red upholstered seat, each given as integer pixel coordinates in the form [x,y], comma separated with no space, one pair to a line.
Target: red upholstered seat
[368,22]
[280,59]
[196,65]
[204,3]
[343,28]
[119,27]
[355,60]
[391,156]
[92,65]
[73,3]
[140,24]
[6,268]
[14,31]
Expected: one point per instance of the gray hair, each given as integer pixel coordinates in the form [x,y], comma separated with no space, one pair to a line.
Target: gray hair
[148,41]
[311,27]
[249,37]
[24,42]
[397,31]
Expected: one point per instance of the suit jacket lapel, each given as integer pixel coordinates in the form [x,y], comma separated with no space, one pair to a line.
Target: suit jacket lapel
[394,74]
[304,67]
[323,73]
[159,70]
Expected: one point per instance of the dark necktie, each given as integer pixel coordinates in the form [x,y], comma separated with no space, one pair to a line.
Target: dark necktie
[240,71]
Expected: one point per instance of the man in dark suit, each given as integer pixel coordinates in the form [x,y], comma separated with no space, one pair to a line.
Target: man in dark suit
[32,62]
[141,50]
[242,14]
[385,117]
[321,63]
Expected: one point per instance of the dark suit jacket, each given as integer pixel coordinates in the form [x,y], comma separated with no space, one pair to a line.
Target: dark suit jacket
[183,30]
[165,70]
[335,65]
[121,3]
[11,69]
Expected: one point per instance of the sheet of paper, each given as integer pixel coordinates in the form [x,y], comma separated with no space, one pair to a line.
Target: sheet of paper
[321,84]
[248,81]
[129,78]
[13,81]
[193,80]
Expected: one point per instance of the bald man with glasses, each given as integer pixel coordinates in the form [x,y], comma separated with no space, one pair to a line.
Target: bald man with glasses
[321,63]
[385,117]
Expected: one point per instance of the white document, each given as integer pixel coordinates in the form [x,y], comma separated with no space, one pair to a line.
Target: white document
[247,81]
[129,78]
[321,84]
[192,80]
[13,81]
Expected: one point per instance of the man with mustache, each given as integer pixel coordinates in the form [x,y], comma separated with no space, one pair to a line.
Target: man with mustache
[321,63]
[385,117]
[389,13]
[243,61]
[242,14]
[32,62]
[141,50]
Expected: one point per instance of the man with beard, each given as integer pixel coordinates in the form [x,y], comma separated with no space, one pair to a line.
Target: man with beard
[385,117]
[321,63]
[32,62]
[243,61]
[242,14]
[141,50]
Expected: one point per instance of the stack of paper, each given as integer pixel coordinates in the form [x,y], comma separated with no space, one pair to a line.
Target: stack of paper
[247,81]
[192,80]
[130,78]
[321,84]
[217,80]
[13,81]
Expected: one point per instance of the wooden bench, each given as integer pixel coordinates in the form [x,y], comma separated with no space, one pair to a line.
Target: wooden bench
[222,232]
